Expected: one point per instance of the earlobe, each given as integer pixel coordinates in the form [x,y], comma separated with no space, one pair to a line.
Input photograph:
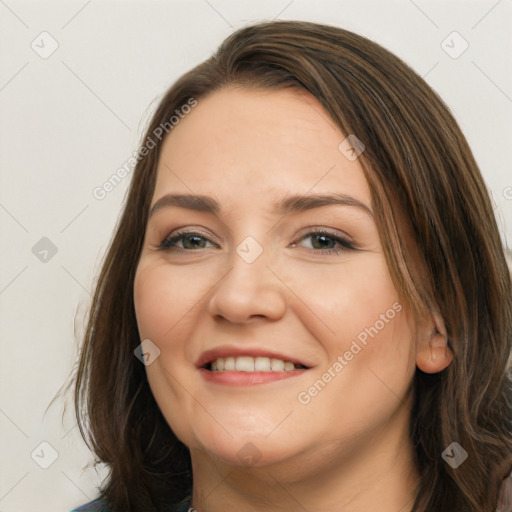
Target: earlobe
[433,353]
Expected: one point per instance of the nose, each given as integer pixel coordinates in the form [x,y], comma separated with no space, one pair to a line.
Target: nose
[247,291]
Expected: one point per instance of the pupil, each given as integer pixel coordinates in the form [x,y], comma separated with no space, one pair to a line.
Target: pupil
[190,237]
[325,238]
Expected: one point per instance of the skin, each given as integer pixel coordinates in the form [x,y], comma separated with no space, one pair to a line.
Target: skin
[348,447]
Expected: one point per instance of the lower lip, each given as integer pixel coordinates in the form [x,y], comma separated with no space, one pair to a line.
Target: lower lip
[234,378]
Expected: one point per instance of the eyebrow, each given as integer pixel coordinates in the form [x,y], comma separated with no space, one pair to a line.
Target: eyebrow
[289,204]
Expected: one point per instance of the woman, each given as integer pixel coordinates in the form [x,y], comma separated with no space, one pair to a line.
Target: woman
[306,304]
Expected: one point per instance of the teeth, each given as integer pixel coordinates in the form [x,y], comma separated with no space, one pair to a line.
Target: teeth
[277,365]
[244,364]
[251,364]
[262,364]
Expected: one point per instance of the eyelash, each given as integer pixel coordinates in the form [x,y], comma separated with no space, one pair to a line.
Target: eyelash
[169,242]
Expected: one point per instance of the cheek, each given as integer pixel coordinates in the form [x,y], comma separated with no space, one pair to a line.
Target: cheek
[163,297]
[162,302]
[149,301]
[348,300]
[365,333]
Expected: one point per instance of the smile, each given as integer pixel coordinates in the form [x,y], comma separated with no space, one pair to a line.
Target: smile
[232,365]
[251,364]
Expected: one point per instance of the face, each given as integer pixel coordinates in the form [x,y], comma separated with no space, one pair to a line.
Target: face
[265,281]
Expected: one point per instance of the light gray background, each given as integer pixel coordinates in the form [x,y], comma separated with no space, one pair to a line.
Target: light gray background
[70,120]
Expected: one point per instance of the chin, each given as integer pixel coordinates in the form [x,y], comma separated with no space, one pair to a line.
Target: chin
[244,449]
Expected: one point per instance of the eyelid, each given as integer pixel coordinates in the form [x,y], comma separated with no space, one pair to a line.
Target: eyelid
[335,233]
[182,233]
[342,240]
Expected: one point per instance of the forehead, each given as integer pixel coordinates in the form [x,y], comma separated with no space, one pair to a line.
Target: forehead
[260,144]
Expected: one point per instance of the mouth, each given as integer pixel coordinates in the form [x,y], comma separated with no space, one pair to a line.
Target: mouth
[246,363]
[237,366]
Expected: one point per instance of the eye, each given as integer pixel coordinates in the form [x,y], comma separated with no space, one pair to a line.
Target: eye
[191,240]
[321,240]
[325,242]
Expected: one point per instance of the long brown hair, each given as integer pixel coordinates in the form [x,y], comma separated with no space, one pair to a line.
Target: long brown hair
[423,179]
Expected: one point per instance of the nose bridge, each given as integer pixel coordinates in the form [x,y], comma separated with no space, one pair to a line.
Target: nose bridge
[250,251]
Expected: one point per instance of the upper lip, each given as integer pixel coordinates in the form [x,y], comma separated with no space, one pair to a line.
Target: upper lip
[208,356]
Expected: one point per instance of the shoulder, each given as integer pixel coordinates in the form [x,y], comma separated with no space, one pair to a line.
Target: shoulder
[93,506]
[100,505]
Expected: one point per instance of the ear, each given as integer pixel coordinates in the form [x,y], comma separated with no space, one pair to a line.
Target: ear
[432,352]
